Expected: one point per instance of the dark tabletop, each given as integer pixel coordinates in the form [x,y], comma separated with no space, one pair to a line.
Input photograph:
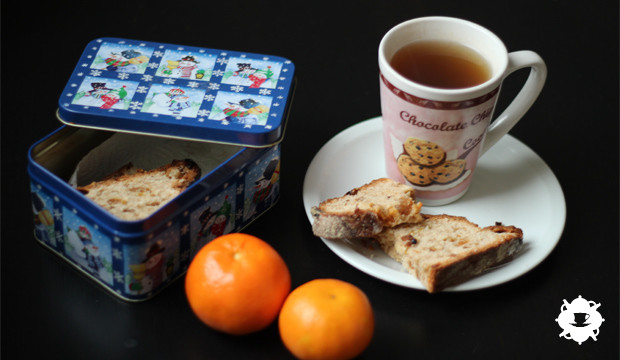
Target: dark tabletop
[49,309]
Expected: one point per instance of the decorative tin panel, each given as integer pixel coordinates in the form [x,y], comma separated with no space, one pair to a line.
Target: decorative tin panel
[179,91]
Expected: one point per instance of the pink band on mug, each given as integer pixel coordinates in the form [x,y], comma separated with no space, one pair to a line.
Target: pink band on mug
[439,105]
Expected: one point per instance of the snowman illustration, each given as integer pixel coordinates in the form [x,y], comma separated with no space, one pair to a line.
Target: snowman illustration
[259,77]
[76,243]
[221,219]
[112,97]
[139,282]
[186,65]
[154,265]
[84,247]
[90,249]
[126,61]
[174,100]
[244,112]
[213,223]
[43,220]
[206,219]
[142,283]
[93,96]
[170,67]
[244,70]
[264,188]
[99,89]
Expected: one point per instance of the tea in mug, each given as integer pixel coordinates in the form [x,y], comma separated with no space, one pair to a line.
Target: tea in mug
[441,64]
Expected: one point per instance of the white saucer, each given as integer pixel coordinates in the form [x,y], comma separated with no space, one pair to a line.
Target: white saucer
[511,184]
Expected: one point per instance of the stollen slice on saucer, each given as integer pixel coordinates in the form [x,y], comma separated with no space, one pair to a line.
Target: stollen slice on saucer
[365,211]
[445,250]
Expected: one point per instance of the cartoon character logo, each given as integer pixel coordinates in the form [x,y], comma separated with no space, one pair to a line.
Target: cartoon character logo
[579,320]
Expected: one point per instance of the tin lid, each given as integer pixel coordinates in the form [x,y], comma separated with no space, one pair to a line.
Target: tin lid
[179,91]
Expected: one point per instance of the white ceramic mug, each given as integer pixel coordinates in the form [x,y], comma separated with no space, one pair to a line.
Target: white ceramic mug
[457,120]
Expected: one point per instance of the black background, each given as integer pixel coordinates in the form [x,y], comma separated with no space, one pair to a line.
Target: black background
[48,309]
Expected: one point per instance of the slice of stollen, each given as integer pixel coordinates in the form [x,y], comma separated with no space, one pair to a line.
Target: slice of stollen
[366,210]
[445,250]
[133,194]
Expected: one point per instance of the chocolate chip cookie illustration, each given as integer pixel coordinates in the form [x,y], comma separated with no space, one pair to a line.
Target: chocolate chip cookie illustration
[414,173]
[448,171]
[424,152]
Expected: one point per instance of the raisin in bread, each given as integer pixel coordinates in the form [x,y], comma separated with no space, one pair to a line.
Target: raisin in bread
[445,250]
[366,210]
[133,194]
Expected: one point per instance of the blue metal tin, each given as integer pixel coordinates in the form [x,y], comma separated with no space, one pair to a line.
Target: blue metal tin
[136,259]
[179,91]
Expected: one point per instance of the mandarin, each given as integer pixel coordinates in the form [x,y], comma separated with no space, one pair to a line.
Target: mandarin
[326,319]
[237,284]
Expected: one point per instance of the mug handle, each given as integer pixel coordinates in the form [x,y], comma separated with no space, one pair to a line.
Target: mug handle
[524,99]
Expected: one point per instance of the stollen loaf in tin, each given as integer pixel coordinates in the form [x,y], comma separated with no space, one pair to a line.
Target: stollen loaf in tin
[131,193]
